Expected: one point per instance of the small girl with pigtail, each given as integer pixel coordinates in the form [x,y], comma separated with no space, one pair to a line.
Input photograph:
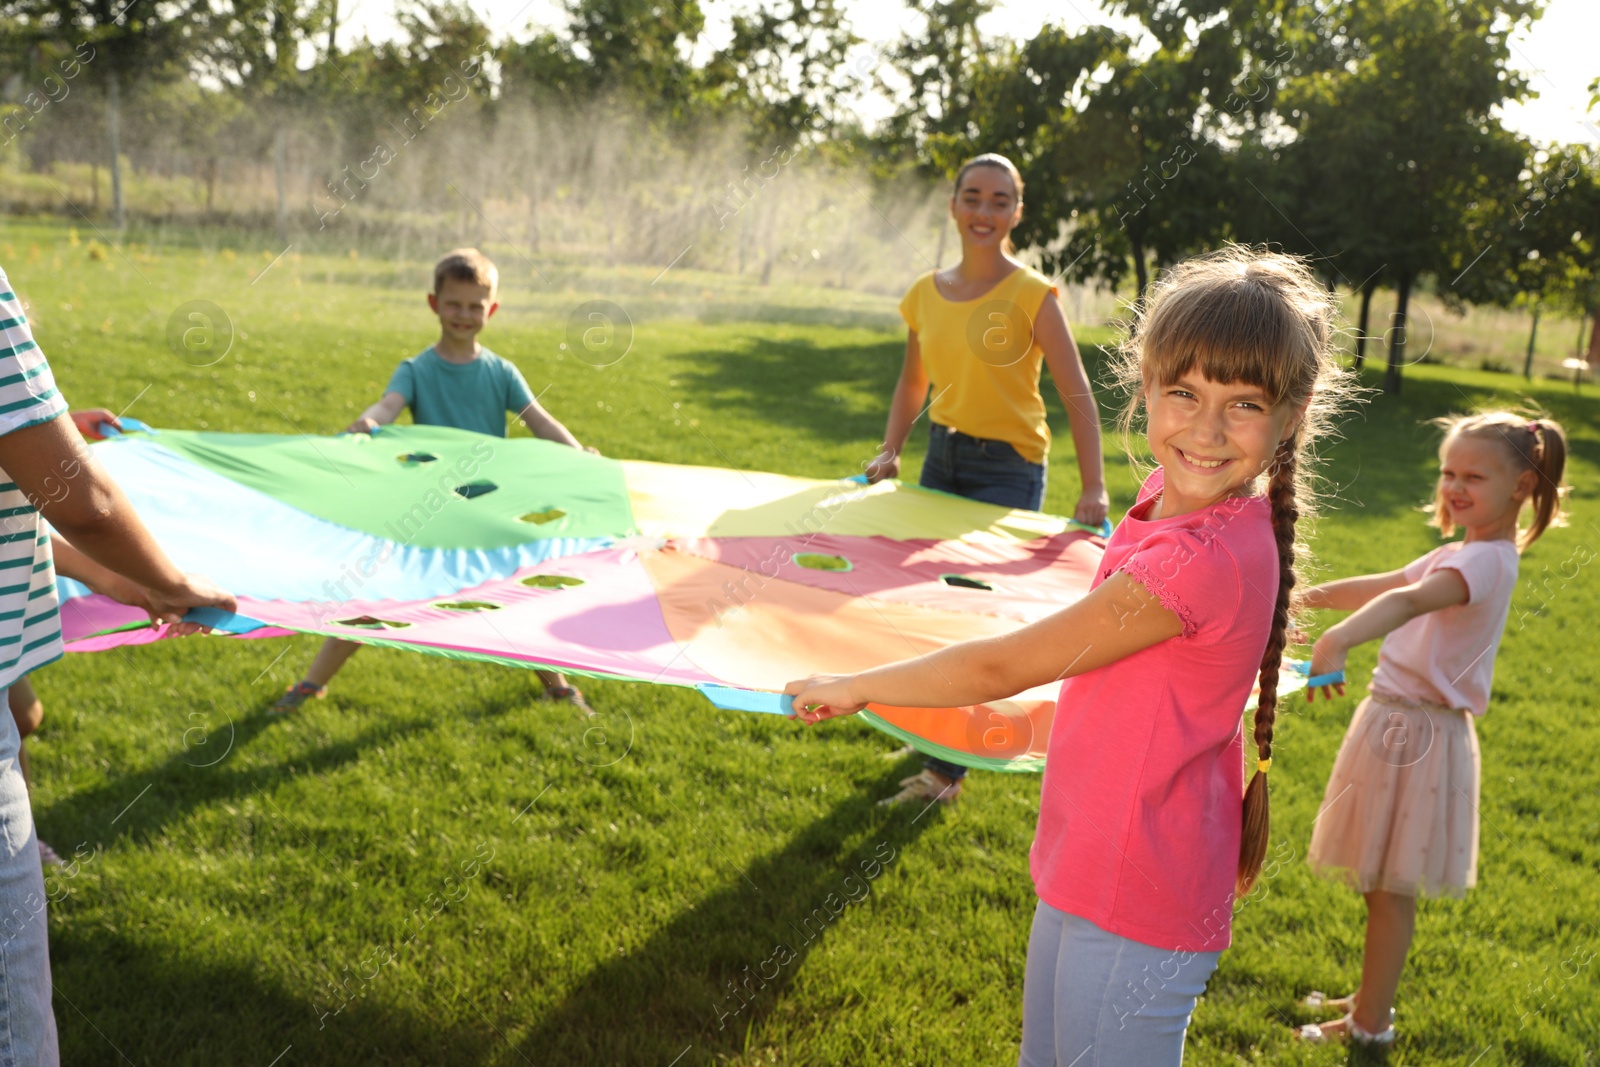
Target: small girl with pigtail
[1146,831]
[1400,816]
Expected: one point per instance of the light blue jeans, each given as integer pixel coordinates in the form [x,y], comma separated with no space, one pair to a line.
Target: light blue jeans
[1093,999]
[27,1025]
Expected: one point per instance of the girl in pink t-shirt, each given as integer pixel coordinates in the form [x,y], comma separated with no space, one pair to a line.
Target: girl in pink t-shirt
[1146,830]
[1400,816]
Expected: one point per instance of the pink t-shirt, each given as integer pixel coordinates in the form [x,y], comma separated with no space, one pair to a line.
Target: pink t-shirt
[1143,786]
[1447,656]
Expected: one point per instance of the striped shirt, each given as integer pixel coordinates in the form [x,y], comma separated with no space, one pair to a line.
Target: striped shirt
[30,620]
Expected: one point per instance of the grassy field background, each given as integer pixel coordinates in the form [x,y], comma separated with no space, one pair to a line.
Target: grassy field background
[431,867]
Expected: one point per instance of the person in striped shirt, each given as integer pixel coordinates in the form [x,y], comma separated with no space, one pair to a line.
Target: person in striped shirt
[27,710]
[47,474]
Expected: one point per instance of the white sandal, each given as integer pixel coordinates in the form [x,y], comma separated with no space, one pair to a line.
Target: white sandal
[1318,999]
[1313,1034]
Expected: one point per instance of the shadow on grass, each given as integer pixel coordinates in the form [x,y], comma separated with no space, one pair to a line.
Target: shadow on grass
[140,806]
[782,382]
[120,1001]
[692,993]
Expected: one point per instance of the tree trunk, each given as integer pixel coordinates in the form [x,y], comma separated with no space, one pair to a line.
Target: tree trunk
[1533,333]
[280,174]
[1140,273]
[1397,337]
[534,235]
[769,245]
[114,139]
[1593,356]
[846,256]
[1361,329]
[211,183]
[744,239]
[611,233]
[333,29]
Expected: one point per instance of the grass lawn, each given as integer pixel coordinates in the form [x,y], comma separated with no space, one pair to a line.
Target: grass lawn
[431,867]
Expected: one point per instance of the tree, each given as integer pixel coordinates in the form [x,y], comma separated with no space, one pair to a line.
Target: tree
[1562,219]
[1402,131]
[128,42]
[257,51]
[636,51]
[1136,151]
[941,62]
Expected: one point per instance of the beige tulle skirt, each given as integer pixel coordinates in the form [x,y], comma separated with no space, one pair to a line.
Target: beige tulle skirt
[1401,811]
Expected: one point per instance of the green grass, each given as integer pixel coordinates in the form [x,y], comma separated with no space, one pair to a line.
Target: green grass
[597,886]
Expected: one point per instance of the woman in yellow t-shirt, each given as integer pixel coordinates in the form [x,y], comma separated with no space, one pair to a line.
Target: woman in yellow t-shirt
[979,333]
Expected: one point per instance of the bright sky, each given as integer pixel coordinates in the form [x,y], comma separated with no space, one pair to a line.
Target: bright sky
[1557,53]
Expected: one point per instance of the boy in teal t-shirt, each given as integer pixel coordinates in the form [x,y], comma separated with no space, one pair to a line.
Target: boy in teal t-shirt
[455,382]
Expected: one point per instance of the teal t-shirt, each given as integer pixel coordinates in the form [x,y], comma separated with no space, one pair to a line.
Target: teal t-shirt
[466,396]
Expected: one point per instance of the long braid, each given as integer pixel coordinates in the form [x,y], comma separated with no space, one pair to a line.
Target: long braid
[1257,808]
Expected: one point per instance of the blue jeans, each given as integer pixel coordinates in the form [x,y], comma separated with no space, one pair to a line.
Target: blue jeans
[1093,999]
[27,1024]
[989,471]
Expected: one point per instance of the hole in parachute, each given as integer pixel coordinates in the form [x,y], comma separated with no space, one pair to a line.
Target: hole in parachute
[468,605]
[368,622]
[539,518]
[413,459]
[475,489]
[961,581]
[551,581]
[818,561]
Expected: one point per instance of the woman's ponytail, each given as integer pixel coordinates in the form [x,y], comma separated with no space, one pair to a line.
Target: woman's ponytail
[1257,826]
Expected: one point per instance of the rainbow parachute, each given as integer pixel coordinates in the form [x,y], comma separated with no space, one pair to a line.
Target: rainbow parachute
[529,553]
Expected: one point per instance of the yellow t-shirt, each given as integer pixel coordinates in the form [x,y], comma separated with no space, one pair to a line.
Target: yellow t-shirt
[983,360]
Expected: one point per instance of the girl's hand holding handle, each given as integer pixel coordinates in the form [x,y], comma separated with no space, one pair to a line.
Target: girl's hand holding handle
[1327,657]
[823,696]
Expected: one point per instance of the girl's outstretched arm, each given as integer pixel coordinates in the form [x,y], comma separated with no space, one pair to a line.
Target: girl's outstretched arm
[1349,594]
[1077,396]
[1117,619]
[1388,611]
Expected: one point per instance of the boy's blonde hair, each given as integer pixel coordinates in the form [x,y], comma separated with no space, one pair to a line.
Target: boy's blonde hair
[466,265]
[1532,442]
[1248,315]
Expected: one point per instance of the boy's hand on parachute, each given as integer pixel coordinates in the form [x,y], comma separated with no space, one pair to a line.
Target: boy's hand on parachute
[88,422]
[1327,657]
[167,606]
[364,424]
[885,464]
[823,696]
